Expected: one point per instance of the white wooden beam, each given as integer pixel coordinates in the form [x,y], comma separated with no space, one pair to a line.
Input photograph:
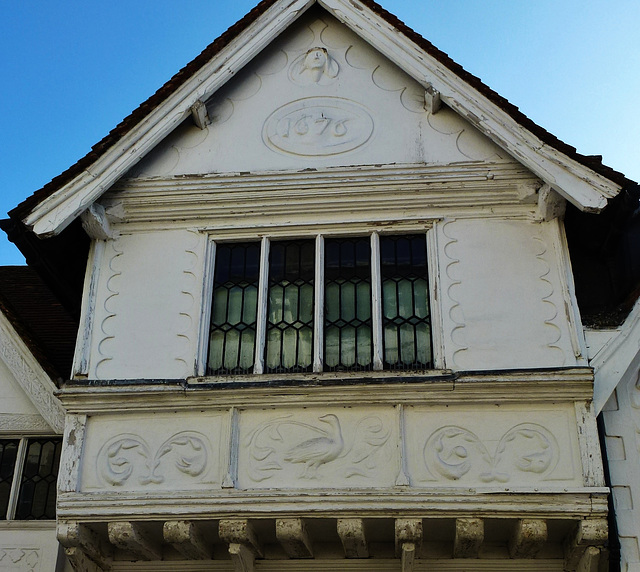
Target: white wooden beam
[200,115]
[588,533]
[84,548]
[528,537]
[56,212]
[432,101]
[469,537]
[129,536]
[240,531]
[352,534]
[292,535]
[579,184]
[96,224]
[242,557]
[187,538]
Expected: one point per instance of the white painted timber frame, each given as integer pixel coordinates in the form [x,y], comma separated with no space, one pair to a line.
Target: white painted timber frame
[617,360]
[318,316]
[29,374]
[580,185]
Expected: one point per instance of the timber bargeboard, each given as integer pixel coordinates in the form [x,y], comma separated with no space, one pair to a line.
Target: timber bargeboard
[578,184]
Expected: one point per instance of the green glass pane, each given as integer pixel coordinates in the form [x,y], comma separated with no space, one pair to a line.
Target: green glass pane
[391,344]
[332,302]
[235,305]
[405,298]
[290,312]
[364,345]
[364,301]
[289,348]
[389,299]
[216,345]
[348,346]
[407,344]
[273,348]
[424,344]
[348,301]
[247,348]
[232,349]
[275,304]
[421,296]
[219,311]
[250,309]
[306,303]
[305,347]
[332,346]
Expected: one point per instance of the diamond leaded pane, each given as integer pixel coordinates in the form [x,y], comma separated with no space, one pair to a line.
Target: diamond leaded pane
[37,498]
[348,343]
[405,307]
[289,338]
[8,454]
[234,309]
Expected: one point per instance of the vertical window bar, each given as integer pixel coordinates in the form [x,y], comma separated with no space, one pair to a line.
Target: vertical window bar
[17,478]
[263,291]
[207,300]
[318,309]
[9,452]
[376,302]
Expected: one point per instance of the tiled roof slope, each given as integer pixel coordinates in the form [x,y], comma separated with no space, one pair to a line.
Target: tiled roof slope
[593,162]
[40,320]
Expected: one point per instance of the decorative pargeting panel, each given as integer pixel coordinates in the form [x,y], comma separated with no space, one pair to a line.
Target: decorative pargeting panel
[335,448]
[505,298]
[319,96]
[481,446]
[378,446]
[147,306]
[152,452]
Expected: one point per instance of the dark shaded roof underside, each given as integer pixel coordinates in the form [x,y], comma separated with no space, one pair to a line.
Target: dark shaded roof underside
[593,162]
[40,320]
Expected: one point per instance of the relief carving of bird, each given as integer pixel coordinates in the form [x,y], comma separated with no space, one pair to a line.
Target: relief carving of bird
[320,450]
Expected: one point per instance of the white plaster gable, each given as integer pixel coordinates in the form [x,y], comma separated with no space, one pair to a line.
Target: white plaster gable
[27,402]
[574,181]
[318,97]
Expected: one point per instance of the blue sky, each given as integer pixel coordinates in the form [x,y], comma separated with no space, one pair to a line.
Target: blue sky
[72,70]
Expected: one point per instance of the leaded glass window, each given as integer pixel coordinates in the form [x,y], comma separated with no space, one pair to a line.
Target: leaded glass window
[289,339]
[348,341]
[28,475]
[234,310]
[405,306]
[324,304]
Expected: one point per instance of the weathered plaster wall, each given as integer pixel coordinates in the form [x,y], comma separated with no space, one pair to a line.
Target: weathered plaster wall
[504,302]
[147,306]
[622,429]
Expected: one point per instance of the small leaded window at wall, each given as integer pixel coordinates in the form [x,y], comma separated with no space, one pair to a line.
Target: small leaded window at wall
[289,339]
[234,310]
[28,475]
[348,343]
[323,304]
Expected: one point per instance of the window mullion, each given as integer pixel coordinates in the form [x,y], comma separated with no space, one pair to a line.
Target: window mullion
[318,307]
[376,302]
[263,294]
[17,479]
[207,302]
